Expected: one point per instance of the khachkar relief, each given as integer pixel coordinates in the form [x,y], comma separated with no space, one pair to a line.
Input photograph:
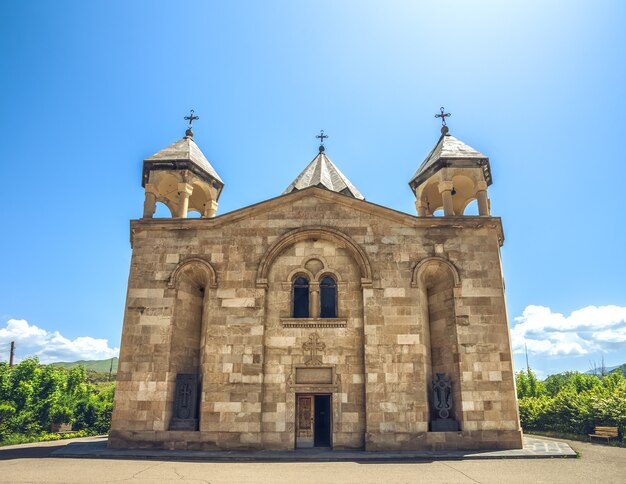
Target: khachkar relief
[313,346]
[185,403]
[442,404]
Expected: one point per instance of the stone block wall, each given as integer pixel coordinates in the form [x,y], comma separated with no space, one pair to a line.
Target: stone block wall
[381,357]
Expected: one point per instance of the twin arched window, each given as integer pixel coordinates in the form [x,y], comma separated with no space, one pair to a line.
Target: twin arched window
[327,299]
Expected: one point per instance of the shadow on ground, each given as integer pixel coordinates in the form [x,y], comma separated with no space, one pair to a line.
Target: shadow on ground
[34,452]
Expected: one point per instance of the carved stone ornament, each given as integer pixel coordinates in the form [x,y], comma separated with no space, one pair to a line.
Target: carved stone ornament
[312,346]
[442,395]
[442,404]
[185,403]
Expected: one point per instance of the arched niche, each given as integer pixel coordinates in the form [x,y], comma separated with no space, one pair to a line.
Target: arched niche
[191,280]
[198,269]
[421,266]
[438,282]
[324,233]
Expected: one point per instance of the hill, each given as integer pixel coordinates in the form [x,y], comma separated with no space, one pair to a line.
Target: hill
[608,369]
[102,366]
[621,368]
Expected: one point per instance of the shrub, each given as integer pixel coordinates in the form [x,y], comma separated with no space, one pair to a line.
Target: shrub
[572,402]
[33,397]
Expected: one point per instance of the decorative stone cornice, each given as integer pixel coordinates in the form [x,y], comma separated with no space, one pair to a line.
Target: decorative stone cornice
[313,322]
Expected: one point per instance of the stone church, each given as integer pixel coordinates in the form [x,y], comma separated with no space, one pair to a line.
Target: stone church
[316,318]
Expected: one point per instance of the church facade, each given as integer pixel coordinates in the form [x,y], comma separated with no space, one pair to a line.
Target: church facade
[316,318]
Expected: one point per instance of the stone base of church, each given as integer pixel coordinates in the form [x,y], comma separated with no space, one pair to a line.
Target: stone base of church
[375,442]
[462,440]
[183,440]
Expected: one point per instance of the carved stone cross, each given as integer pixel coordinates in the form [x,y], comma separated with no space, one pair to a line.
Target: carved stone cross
[313,346]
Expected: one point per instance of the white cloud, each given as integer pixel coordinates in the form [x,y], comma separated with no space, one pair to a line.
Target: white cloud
[31,340]
[588,330]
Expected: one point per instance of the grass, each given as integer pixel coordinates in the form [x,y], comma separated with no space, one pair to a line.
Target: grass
[16,439]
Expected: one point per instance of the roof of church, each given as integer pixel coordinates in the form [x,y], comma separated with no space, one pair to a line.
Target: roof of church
[185,150]
[322,172]
[450,151]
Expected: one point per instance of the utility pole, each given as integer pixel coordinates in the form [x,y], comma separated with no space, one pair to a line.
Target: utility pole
[527,367]
[12,354]
[111,367]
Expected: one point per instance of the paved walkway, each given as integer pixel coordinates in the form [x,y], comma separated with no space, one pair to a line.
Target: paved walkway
[533,448]
[34,463]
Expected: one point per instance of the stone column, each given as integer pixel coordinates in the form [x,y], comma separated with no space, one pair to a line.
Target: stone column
[210,209]
[481,197]
[314,300]
[184,192]
[149,203]
[422,208]
[445,188]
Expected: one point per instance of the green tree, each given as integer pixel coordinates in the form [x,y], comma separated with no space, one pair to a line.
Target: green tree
[528,385]
[35,396]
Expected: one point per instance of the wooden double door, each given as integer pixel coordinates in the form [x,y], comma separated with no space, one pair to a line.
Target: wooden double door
[313,420]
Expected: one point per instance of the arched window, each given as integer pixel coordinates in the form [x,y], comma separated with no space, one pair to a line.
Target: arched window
[300,297]
[328,298]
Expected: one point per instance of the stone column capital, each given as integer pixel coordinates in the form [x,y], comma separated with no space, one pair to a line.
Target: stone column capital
[422,208]
[445,186]
[185,188]
[481,185]
[149,204]
[151,188]
[210,209]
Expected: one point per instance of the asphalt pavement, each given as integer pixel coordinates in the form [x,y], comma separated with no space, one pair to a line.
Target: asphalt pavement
[35,463]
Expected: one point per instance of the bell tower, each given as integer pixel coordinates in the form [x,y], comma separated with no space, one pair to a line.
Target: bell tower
[452,175]
[181,178]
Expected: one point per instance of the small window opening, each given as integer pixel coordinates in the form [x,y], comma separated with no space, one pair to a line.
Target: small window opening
[300,297]
[328,298]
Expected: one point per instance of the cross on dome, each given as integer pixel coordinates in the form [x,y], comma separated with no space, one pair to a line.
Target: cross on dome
[321,137]
[443,116]
[191,118]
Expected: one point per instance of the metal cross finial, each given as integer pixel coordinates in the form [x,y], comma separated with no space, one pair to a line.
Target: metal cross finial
[321,137]
[443,116]
[191,118]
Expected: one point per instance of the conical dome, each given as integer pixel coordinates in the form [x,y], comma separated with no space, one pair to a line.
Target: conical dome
[450,152]
[183,154]
[322,172]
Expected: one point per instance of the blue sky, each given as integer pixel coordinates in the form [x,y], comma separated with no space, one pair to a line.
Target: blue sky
[90,89]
